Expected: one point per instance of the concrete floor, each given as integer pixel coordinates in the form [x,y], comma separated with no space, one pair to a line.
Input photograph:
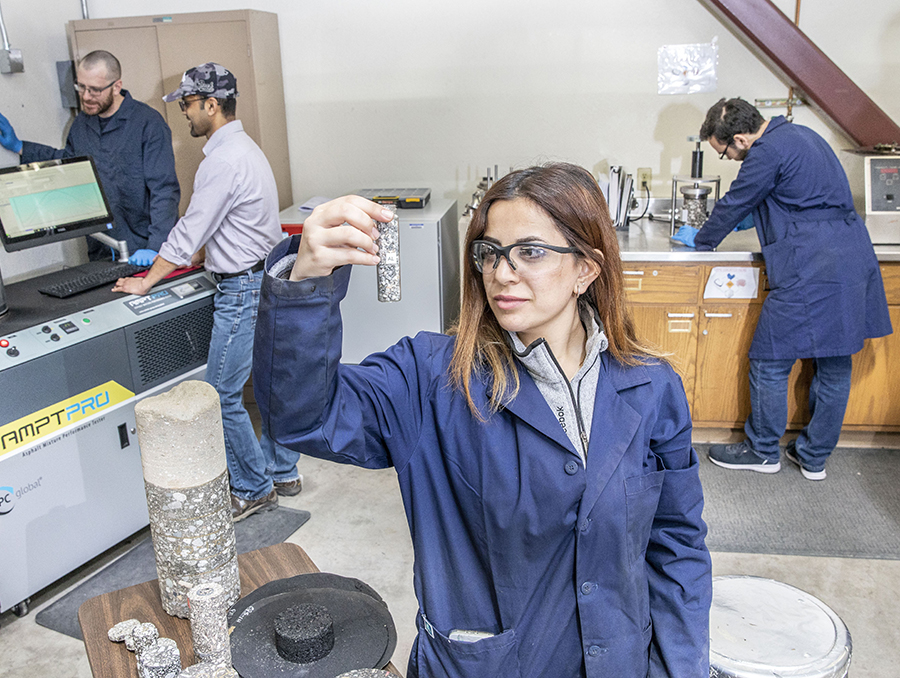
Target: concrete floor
[358,529]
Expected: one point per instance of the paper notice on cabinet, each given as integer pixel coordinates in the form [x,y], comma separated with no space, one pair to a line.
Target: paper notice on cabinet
[732,282]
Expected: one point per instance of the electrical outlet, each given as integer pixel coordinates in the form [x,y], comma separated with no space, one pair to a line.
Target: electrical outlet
[644,177]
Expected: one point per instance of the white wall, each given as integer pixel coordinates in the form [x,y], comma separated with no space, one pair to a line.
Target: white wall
[418,93]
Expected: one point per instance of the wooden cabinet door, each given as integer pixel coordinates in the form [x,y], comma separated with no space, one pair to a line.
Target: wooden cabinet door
[672,330]
[875,386]
[721,395]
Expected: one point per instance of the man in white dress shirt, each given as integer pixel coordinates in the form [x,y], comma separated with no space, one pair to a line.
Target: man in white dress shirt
[230,226]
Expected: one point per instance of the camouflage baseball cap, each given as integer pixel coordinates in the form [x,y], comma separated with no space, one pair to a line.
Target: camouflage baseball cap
[209,79]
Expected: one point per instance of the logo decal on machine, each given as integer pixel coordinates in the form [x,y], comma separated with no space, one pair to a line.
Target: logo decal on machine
[7,500]
[55,417]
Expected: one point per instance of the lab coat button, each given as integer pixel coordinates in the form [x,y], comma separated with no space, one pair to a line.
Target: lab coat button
[587,588]
[571,468]
[595,650]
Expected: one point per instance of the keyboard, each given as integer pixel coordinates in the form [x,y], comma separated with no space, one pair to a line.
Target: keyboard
[89,276]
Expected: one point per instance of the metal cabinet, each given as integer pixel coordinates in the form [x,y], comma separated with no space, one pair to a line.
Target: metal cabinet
[156,50]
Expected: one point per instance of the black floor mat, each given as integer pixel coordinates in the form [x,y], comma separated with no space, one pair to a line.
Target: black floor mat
[138,565]
[853,513]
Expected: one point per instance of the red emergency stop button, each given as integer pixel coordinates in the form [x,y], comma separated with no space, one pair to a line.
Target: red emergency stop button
[3,343]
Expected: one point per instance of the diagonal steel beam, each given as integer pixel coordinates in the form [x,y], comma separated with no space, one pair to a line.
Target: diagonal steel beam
[774,38]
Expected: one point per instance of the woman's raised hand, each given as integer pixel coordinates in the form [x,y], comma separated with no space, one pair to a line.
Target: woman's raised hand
[337,233]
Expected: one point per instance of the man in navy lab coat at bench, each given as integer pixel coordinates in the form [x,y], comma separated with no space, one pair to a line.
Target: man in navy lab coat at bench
[826,294]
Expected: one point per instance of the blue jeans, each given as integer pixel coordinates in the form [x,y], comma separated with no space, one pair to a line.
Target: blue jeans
[828,394]
[253,465]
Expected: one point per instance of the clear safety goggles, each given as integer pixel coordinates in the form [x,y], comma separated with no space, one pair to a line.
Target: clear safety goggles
[525,258]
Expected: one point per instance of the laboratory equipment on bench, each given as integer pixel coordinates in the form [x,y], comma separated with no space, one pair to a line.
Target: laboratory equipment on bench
[71,371]
[53,200]
[881,210]
[694,192]
[619,197]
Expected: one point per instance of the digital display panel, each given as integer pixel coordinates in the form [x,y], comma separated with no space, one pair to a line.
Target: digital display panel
[48,201]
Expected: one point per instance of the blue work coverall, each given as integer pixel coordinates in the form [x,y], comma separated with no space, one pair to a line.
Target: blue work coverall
[826,294]
[134,158]
[577,571]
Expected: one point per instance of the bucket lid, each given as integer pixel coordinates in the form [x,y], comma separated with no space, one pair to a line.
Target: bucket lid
[762,628]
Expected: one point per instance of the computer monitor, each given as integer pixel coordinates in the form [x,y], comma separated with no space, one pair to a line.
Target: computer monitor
[52,200]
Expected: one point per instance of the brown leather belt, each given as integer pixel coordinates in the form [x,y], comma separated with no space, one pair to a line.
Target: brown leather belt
[256,268]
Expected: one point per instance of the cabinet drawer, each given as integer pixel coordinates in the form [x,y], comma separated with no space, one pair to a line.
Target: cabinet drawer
[890,273]
[650,283]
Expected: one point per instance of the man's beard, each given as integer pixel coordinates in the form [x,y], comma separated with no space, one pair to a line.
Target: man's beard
[104,104]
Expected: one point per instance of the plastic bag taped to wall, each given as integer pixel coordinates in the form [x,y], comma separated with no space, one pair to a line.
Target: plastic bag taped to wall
[688,69]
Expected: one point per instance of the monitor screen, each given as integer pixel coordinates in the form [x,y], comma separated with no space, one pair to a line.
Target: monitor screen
[52,200]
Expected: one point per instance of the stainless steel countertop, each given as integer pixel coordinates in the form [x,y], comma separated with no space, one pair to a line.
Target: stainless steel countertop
[648,240]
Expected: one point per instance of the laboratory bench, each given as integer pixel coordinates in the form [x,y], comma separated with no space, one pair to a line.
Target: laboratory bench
[680,307]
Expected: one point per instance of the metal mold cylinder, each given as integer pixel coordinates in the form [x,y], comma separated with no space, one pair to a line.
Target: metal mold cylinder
[188,496]
[694,211]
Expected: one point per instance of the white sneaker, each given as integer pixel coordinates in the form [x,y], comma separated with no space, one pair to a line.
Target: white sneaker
[789,452]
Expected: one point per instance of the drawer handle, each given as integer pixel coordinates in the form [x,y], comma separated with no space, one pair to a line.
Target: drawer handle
[632,273]
[679,315]
[716,315]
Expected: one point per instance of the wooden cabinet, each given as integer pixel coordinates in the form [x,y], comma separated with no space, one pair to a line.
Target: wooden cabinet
[875,385]
[721,394]
[156,50]
[672,330]
[707,341]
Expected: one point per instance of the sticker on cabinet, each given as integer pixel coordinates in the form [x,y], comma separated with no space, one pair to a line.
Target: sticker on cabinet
[732,282]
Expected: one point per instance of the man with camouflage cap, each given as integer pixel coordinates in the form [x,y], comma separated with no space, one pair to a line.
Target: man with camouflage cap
[230,226]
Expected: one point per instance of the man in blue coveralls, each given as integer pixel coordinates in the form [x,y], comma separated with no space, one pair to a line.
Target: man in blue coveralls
[132,147]
[826,294]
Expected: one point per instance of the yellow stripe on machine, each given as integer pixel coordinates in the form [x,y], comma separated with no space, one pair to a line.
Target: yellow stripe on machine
[29,428]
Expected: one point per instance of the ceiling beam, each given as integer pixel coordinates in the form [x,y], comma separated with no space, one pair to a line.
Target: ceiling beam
[796,59]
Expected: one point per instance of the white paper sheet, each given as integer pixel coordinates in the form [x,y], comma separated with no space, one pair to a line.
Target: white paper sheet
[732,282]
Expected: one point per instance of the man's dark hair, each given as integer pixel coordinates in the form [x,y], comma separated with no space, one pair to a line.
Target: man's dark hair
[728,117]
[100,56]
[228,106]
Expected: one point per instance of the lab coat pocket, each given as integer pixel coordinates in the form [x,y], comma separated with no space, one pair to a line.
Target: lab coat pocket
[437,655]
[780,268]
[641,499]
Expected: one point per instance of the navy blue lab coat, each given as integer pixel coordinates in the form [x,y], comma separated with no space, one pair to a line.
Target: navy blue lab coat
[596,571]
[136,164]
[826,294]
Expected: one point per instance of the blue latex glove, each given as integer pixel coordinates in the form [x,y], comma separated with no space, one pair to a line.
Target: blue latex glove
[142,257]
[686,235]
[8,138]
[745,224]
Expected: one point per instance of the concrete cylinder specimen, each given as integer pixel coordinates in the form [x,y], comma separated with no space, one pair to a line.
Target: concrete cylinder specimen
[209,624]
[188,496]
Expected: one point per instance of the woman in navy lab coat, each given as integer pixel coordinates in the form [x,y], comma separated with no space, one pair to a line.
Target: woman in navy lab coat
[544,456]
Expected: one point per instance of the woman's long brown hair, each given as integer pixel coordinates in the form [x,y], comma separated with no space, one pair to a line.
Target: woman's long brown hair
[570,196]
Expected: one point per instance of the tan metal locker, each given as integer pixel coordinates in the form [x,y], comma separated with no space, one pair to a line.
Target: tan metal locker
[154,52]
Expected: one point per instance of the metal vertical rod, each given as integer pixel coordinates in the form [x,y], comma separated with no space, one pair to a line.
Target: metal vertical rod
[3,31]
[84,10]
[790,103]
